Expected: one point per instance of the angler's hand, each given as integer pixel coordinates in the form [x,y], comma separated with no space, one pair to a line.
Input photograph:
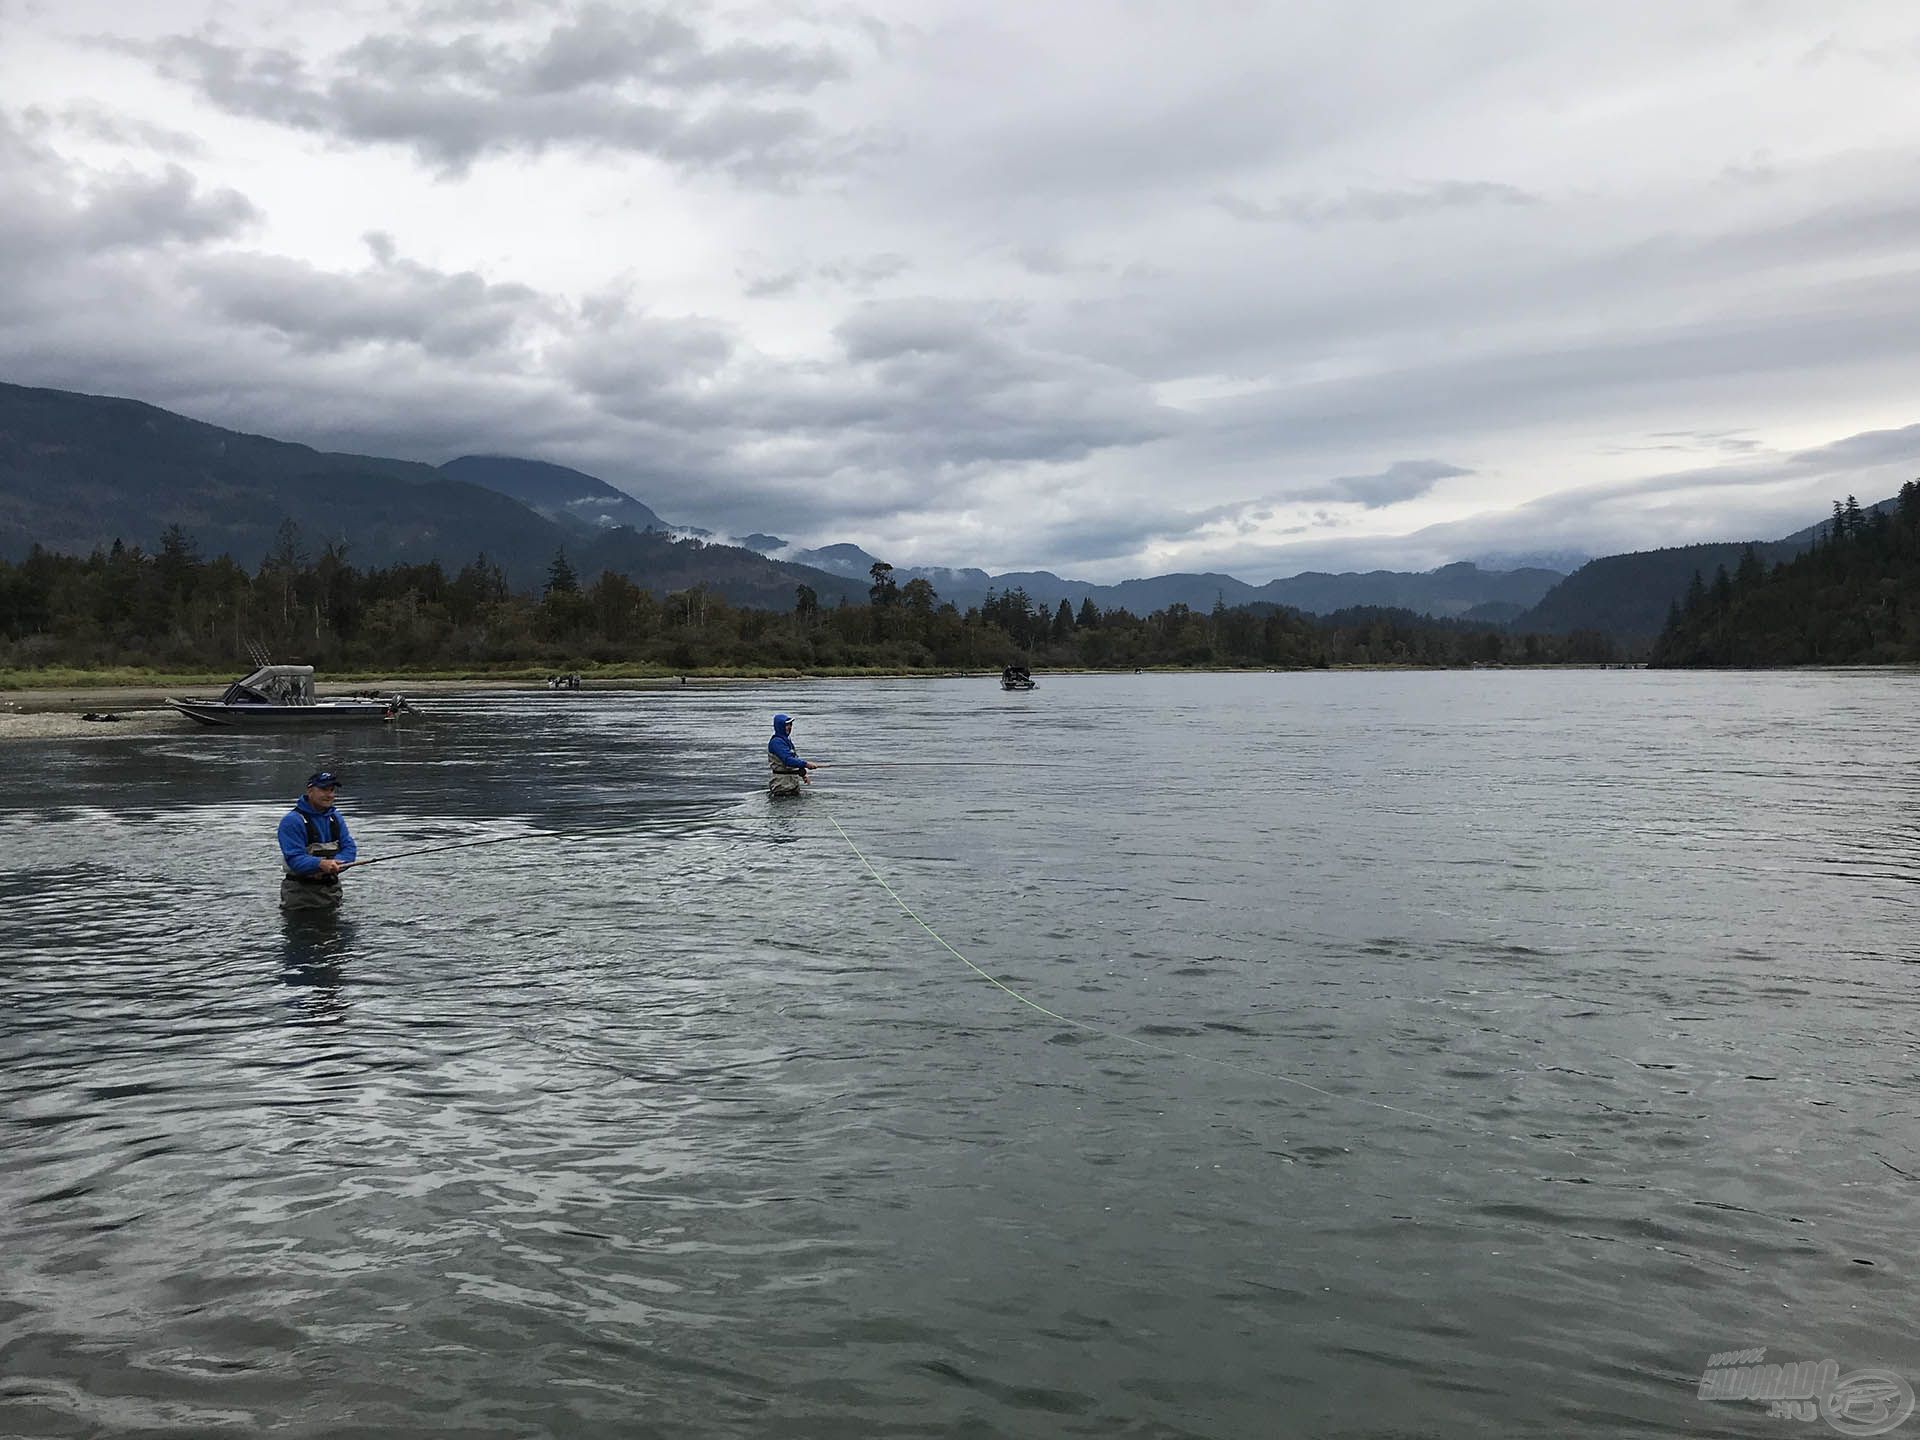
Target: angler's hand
[330,867]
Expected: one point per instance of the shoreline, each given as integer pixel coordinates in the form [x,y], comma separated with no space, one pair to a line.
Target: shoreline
[59,711]
[113,693]
[139,707]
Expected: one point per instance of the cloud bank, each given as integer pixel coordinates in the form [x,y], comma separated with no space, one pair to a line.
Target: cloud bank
[1017,287]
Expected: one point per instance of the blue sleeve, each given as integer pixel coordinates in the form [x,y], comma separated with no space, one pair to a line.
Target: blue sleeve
[348,850]
[293,845]
[781,747]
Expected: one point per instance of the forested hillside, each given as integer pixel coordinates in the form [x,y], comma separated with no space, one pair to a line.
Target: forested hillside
[176,610]
[1628,596]
[1852,599]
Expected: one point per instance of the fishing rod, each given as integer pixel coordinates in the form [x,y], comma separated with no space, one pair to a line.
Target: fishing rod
[937,764]
[463,845]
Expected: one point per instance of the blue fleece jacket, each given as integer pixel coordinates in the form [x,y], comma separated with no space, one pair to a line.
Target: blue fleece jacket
[781,745]
[331,824]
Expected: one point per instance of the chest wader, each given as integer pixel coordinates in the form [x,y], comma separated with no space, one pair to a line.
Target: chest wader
[315,891]
[784,780]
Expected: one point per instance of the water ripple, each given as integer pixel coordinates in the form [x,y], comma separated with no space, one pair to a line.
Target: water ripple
[664,1120]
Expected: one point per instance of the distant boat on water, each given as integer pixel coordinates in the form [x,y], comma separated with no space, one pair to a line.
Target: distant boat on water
[1017,677]
[275,696]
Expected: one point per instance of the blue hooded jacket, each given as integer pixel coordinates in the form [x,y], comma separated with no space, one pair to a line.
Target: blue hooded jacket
[332,826]
[781,745]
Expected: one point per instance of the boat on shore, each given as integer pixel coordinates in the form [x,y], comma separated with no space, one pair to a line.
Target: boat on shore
[276,696]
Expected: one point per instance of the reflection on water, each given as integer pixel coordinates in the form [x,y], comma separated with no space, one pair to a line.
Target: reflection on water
[672,1123]
[315,946]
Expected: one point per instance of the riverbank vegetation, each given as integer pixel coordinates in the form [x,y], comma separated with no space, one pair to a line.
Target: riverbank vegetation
[1853,598]
[173,611]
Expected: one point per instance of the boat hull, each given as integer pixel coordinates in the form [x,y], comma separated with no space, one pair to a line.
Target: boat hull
[219,715]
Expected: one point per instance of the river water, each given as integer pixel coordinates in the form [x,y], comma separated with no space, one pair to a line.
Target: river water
[1370,1054]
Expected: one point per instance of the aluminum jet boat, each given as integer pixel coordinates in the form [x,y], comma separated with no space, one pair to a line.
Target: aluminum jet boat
[280,695]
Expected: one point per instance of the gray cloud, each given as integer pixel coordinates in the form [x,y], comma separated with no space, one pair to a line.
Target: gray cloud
[140,210]
[1094,363]
[455,316]
[1375,205]
[1402,480]
[858,275]
[1870,448]
[1834,326]
[865,273]
[1104,533]
[1721,442]
[925,410]
[1757,498]
[633,363]
[93,121]
[772,286]
[921,399]
[600,76]
[48,207]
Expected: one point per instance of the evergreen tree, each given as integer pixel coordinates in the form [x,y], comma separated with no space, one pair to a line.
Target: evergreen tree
[560,576]
[176,562]
[1696,596]
[920,599]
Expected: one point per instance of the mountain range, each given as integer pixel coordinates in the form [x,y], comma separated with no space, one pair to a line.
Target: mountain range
[79,471]
[570,498]
[1462,589]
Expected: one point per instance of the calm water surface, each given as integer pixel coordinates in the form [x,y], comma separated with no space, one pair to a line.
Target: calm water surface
[680,1127]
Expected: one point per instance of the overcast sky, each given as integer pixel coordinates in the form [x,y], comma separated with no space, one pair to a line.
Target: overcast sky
[1110,289]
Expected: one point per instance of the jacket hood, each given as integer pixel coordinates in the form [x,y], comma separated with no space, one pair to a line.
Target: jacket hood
[782,724]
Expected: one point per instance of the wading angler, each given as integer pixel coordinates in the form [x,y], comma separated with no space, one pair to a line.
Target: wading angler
[788,772]
[316,845]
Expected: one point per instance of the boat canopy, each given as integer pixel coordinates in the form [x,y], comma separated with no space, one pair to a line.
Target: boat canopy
[273,685]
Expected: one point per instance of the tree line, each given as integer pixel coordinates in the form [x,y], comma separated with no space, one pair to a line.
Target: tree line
[172,609]
[1852,598]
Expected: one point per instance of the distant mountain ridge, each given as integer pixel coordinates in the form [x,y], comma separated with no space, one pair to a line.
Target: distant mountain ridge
[1629,595]
[1450,592]
[568,497]
[78,472]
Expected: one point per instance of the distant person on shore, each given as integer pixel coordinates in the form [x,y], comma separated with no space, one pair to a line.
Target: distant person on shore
[315,843]
[789,771]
